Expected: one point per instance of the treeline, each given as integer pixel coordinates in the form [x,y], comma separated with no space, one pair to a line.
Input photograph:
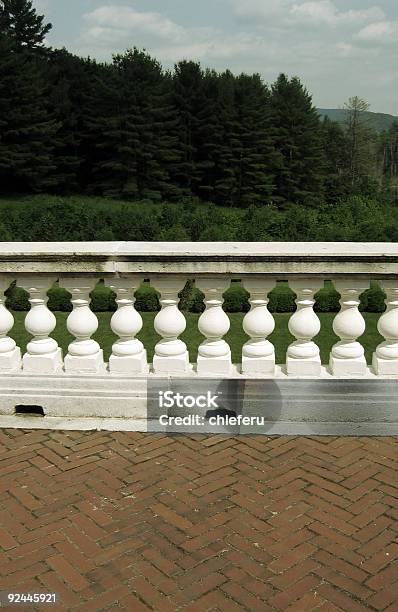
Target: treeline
[132,130]
[55,218]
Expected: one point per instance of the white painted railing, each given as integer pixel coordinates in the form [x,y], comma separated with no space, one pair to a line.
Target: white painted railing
[79,266]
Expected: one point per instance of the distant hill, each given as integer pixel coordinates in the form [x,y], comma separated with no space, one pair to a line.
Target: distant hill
[380,121]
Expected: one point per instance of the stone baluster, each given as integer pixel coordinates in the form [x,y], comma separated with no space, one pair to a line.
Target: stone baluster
[10,353]
[171,354]
[84,354]
[258,354]
[385,358]
[43,355]
[128,353]
[347,357]
[303,357]
[214,354]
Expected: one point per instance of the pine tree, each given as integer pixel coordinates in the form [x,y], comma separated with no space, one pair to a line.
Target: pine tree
[299,178]
[67,78]
[335,147]
[361,143]
[20,22]
[27,129]
[134,124]
[189,100]
[226,174]
[255,153]
[110,136]
[208,137]
[388,154]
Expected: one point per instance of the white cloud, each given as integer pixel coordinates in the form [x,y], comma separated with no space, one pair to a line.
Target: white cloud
[291,12]
[325,11]
[114,28]
[381,32]
[124,18]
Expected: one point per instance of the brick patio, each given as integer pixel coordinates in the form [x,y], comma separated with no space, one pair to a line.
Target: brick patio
[148,522]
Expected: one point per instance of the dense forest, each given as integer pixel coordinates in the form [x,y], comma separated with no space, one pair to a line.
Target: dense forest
[134,131]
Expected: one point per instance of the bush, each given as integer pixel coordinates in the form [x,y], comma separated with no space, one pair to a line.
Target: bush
[17,298]
[372,300]
[59,299]
[327,299]
[236,299]
[281,299]
[103,298]
[147,299]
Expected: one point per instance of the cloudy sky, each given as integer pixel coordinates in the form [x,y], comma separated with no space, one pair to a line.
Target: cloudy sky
[339,48]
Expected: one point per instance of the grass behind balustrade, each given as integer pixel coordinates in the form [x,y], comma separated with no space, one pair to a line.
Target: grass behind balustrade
[236,337]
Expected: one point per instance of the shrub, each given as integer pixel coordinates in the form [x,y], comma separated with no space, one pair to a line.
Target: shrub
[59,299]
[17,298]
[147,299]
[327,299]
[281,299]
[103,298]
[236,299]
[372,300]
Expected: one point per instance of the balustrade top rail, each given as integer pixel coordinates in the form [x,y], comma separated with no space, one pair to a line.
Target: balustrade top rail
[289,259]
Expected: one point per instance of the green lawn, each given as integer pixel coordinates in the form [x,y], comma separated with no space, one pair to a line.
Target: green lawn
[236,337]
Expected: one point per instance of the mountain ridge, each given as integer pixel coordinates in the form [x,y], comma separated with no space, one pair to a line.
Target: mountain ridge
[379,121]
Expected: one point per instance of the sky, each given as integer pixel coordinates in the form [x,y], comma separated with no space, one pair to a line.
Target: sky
[338,48]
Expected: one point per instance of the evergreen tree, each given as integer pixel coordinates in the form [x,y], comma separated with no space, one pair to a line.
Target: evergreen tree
[255,154]
[27,130]
[388,154]
[361,142]
[227,177]
[20,22]
[299,177]
[134,123]
[335,148]
[189,100]
[67,78]
[208,137]
[111,136]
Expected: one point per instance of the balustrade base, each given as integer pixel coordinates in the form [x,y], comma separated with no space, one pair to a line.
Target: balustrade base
[216,366]
[349,368]
[257,366]
[10,361]
[290,405]
[172,365]
[93,364]
[303,367]
[43,364]
[385,367]
[129,365]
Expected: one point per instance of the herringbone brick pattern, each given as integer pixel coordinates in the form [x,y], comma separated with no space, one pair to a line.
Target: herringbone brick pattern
[149,522]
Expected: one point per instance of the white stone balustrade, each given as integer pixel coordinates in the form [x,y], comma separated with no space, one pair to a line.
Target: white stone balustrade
[10,354]
[258,354]
[348,355]
[84,354]
[171,354]
[385,358]
[43,355]
[128,353]
[303,354]
[212,266]
[214,354]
